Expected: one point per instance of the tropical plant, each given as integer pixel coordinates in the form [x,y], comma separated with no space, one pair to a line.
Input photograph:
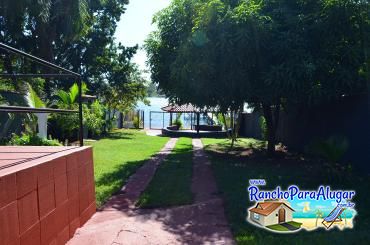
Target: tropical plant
[66,99]
[332,149]
[34,101]
[94,118]
[32,139]
[67,124]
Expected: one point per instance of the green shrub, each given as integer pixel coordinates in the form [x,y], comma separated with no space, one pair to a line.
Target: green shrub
[332,149]
[263,127]
[178,123]
[136,122]
[94,118]
[67,124]
[220,120]
[32,139]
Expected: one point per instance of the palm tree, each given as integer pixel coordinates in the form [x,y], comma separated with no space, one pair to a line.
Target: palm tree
[34,101]
[67,123]
[319,214]
[68,99]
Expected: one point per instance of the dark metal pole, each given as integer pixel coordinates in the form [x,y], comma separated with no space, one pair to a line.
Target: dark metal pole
[163,120]
[198,118]
[143,115]
[81,133]
[38,60]
[23,109]
[192,120]
[16,75]
[150,120]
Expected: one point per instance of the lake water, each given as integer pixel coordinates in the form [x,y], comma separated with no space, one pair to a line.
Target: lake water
[156,119]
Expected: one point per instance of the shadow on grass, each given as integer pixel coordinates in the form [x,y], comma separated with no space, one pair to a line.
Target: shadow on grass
[171,187]
[233,171]
[120,135]
[242,147]
[117,135]
[171,184]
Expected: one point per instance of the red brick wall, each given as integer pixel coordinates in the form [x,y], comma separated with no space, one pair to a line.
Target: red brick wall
[46,203]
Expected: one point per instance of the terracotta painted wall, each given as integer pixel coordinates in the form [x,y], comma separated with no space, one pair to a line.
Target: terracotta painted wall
[46,203]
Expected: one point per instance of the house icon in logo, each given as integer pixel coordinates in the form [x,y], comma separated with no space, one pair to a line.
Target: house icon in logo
[271,212]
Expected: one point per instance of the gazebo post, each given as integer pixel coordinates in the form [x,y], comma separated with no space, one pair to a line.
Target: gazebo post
[198,118]
[170,118]
[191,120]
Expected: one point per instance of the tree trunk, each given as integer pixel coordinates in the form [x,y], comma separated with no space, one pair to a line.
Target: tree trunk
[271,123]
[232,125]
[236,126]
[226,127]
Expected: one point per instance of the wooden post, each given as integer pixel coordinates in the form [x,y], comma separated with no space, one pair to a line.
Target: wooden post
[198,118]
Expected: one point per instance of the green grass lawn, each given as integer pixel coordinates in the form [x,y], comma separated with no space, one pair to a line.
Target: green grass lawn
[117,156]
[171,184]
[233,169]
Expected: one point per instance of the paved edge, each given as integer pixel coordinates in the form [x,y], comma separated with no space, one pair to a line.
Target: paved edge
[205,192]
[121,203]
[202,222]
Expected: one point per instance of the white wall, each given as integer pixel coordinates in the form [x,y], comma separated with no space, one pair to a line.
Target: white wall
[273,218]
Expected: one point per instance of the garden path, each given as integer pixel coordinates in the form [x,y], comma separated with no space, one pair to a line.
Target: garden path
[120,222]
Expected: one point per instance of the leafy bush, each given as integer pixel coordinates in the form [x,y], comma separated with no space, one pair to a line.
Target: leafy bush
[94,118]
[136,122]
[32,139]
[178,123]
[67,125]
[263,127]
[332,149]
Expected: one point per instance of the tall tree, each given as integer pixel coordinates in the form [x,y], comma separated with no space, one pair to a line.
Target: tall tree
[271,54]
[76,34]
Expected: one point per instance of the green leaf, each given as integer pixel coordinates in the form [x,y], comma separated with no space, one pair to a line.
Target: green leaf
[64,97]
[33,100]
[73,92]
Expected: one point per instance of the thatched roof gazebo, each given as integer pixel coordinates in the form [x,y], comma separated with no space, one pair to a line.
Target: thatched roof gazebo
[186,108]
[189,108]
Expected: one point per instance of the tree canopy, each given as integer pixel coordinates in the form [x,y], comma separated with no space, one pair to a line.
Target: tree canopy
[76,34]
[269,54]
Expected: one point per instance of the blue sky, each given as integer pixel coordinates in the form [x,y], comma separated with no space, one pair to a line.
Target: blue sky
[136,24]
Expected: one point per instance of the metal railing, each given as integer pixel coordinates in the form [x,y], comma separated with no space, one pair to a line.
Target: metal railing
[64,73]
